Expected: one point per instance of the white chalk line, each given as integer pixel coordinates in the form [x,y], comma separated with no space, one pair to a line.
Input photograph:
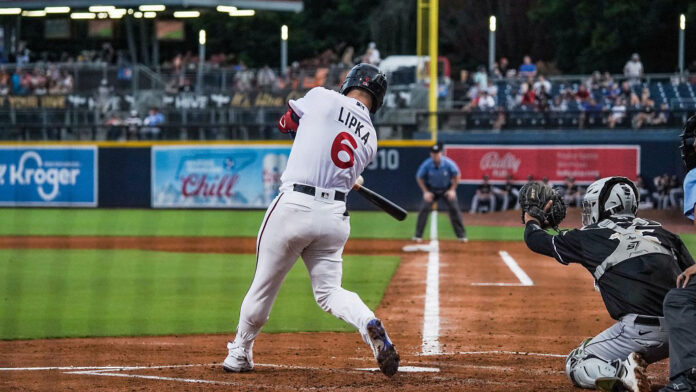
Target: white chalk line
[522,276]
[500,352]
[431,313]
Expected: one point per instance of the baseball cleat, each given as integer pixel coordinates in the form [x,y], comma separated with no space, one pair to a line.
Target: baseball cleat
[463,239]
[382,348]
[631,377]
[417,239]
[685,382]
[238,359]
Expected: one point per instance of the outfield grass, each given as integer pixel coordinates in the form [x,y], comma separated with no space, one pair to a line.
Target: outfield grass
[77,293]
[243,223]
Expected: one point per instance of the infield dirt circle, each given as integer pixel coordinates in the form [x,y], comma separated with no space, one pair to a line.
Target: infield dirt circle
[500,336]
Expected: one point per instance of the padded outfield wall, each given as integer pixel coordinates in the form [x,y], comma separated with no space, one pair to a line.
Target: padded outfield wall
[247,175]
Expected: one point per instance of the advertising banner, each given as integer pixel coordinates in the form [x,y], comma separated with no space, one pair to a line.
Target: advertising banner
[216,177]
[584,163]
[48,176]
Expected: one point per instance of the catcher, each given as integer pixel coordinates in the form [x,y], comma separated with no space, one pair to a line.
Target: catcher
[634,262]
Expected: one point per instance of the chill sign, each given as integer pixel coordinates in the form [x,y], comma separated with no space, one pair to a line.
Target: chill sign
[38,176]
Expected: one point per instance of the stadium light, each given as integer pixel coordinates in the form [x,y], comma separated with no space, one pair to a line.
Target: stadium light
[102,15]
[186,14]
[137,14]
[682,22]
[682,27]
[243,13]
[492,23]
[201,60]
[10,11]
[492,26]
[283,48]
[226,9]
[118,13]
[201,37]
[150,14]
[101,8]
[34,14]
[83,15]
[152,8]
[284,32]
[57,10]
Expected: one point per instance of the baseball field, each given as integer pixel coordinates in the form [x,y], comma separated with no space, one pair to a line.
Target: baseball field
[147,299]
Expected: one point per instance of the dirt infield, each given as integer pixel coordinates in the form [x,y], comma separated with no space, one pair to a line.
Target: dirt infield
[495,333]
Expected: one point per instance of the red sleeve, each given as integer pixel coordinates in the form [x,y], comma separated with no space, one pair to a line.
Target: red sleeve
[289,121]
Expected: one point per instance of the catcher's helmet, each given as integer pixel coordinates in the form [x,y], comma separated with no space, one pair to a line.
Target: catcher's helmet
[609,196]
[368,78]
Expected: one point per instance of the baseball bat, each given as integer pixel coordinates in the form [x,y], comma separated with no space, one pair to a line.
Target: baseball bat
[380,201]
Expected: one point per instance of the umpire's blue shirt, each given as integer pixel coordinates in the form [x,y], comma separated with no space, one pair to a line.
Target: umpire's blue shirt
[690,193]
[437,178]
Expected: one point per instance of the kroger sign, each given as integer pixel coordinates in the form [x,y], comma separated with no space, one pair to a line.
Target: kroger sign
[38,176]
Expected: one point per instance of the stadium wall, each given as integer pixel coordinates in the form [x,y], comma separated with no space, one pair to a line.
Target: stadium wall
[246,176]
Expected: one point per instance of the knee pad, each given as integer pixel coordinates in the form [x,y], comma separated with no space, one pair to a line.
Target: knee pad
[583,369]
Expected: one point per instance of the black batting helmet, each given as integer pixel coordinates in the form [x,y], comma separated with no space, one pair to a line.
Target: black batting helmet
[368,78]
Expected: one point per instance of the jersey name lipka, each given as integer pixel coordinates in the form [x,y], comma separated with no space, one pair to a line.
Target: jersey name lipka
[351,121]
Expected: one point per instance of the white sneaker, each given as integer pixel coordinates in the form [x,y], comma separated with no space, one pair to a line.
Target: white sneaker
[238,359]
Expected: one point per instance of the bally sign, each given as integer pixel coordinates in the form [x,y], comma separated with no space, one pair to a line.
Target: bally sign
[585,163]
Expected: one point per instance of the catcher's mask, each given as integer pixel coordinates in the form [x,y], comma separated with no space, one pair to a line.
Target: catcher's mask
[609,196]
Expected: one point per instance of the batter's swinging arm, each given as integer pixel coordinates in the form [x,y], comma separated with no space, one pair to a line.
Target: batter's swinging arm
[380,201]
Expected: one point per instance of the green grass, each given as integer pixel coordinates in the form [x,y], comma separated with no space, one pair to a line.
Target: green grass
[77,293]
[244,223]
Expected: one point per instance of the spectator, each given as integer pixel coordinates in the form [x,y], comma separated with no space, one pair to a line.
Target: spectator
[633,69]
[526,97]
[558,104]
[504,66]
[151,122]
[662,116]
[348,57]
[4,82]
[481,78]
[542,85]
[591,112]
[484,192]
[438,177]
[661,194]
[485,101]
[133,124]
[644,193]
[571,193]
[266,78]
[582,94]
[116,130]
[527,68]
[38,82]
[372,55]
[18,87]
[676,192]
[618,113]
[508,194]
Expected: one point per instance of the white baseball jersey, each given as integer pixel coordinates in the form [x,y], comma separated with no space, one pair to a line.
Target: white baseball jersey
[335,141]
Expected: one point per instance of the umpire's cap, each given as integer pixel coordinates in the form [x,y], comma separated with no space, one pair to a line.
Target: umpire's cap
[367,77]
[436,148]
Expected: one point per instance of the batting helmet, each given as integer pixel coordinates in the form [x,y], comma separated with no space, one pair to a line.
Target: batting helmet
[368,78]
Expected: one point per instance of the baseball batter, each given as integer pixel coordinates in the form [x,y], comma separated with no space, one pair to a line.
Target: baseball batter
[334,142]
[635,262]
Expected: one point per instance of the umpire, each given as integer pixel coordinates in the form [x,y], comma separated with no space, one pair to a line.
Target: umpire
[438,177]
[635,262]
[680,302]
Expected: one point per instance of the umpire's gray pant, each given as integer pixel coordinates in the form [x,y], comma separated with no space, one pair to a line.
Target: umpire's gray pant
[680,314]
[647,335]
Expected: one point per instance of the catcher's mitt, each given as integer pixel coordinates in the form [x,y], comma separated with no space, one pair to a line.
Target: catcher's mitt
[533,200]
[688,137]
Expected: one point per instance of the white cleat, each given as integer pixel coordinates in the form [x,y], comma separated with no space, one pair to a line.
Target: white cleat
[238,359]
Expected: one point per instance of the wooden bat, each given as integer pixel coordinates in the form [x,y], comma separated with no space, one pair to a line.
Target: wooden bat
[380,201]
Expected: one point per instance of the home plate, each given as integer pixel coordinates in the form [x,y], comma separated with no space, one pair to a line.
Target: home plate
[407,369]
[416,248]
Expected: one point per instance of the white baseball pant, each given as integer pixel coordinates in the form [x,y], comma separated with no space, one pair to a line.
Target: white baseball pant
[297,225]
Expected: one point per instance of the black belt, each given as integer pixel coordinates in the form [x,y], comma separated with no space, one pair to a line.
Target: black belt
[652,321]
[310,190]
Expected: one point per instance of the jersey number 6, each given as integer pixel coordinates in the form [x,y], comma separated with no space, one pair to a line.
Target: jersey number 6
[339,146]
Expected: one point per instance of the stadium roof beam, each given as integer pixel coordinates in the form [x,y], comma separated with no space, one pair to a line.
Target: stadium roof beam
[270,5]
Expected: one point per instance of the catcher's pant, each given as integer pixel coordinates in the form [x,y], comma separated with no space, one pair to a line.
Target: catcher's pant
[455,214]
[643,334]
[297,225]
[680,314]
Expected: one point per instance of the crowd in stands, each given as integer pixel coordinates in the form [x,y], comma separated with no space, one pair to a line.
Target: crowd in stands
[599,99]
[666,192]
[327,69]
[36,81]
